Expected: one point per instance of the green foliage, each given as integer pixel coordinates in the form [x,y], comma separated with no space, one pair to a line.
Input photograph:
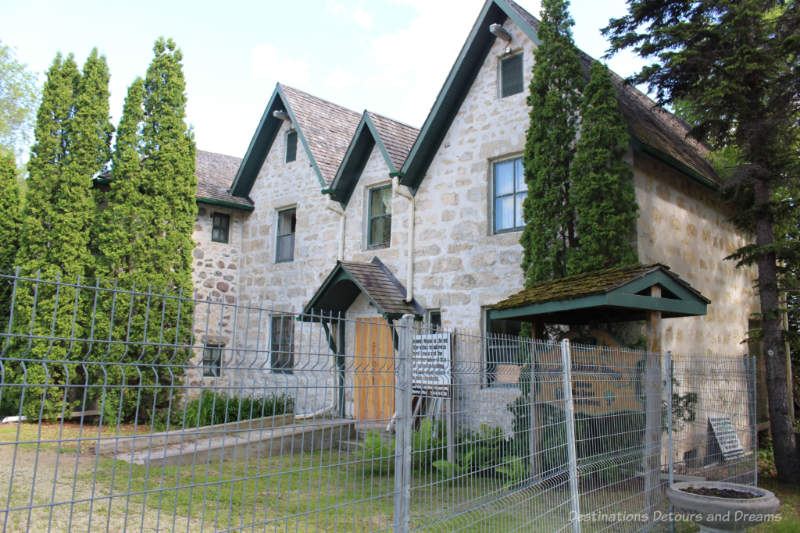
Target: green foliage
[482,453]
[148,221]
[428,444]
[377,456]
[554,98]
[602,182]
[19,93]
[736,64]
[213,408]
[72,135]
[9,229]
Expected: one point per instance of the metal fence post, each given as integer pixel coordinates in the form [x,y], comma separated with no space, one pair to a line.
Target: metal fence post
[403,423]
[753,384]
[670,458]
[572,451]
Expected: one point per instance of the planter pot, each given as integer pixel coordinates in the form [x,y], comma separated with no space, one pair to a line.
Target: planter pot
[716,513]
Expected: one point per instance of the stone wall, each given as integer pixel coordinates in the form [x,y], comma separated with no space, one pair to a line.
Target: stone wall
[215,275]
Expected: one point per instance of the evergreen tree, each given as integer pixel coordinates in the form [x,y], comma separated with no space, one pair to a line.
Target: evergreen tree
[72,144]
[148,243]
[9,230]
[737,63]
[554,98]
[602,182]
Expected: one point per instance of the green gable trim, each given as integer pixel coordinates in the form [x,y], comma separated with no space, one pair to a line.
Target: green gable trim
[262,141]
[664,157]
[624,300]
[452,94]
[342,293]
[212,201]
[355,159]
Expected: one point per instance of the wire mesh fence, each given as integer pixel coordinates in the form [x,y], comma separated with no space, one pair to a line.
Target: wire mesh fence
[129,409]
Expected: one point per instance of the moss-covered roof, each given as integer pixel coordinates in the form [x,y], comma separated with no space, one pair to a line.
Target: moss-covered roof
[589,284]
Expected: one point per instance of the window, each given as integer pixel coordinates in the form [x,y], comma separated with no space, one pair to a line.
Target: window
[379,219]
[291,146]
[212,357]
[435,321]
[511,75]
[510,190]
[220,222]
[287,222]
[281,355]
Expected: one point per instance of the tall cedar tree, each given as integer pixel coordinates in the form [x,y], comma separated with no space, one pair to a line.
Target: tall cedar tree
[148,243]
[602,182]
[554,98]
[72,144]
[10,222]
[741,71]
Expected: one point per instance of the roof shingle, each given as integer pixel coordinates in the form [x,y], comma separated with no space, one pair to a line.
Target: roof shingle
[215,173]
[397,137]
[326,127]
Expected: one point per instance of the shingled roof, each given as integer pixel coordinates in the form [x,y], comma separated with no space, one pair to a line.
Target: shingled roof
[397,137]
[327,128]
[620,293]
[348,279]
[647,121]
[215,173]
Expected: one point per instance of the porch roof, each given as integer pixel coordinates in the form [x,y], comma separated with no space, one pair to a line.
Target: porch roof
[611,295]
[374,279]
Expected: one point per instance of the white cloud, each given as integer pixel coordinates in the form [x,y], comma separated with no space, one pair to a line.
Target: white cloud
[340,78]
[268,62]
[355,15]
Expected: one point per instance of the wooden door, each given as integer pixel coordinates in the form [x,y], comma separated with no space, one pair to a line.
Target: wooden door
[373,372]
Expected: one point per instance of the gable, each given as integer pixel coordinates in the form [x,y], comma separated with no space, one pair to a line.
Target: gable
[393,140]
[323,128]
[652,129]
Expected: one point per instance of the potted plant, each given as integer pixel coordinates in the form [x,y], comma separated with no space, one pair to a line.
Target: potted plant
[719,506]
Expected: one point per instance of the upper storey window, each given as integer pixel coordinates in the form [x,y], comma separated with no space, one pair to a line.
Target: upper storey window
[510,191]
[287,222]
[291,146]
[379,217]
[511,75]
[220,223]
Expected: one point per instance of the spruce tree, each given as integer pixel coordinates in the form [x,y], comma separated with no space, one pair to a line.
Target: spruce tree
[602,182]
[554,98]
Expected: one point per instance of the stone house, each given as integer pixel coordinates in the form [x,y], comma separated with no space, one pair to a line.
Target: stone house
[328,201]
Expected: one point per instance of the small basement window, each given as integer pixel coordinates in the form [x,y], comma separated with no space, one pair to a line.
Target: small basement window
[291,146]
[212,358]
[220,222]
[511,75]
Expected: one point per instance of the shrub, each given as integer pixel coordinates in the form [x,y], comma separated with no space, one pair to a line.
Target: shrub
[214,408]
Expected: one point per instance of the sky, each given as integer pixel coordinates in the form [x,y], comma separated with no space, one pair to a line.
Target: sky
[388,56]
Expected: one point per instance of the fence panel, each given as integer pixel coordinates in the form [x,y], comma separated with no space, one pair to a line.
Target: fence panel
[129,409]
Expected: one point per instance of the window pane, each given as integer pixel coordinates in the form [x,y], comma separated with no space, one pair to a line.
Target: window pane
[380,201]
[504,178]
[380,229]
[286,222]
[291,146]
[504,213]
[285,250]
[282,344]
[219,227]
[519,221]
[511,75]
[519,173]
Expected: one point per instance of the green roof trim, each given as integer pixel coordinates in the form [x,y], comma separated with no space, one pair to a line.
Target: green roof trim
[664,157]
[212,201]
[355,160]
[262,141]
[453,92]
[620,293]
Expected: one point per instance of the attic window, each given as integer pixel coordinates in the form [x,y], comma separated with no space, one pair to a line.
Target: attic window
[511,75]
[291,146]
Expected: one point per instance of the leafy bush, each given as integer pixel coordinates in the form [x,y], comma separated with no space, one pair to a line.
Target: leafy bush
[213,408]
[377,456]
[429,444]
